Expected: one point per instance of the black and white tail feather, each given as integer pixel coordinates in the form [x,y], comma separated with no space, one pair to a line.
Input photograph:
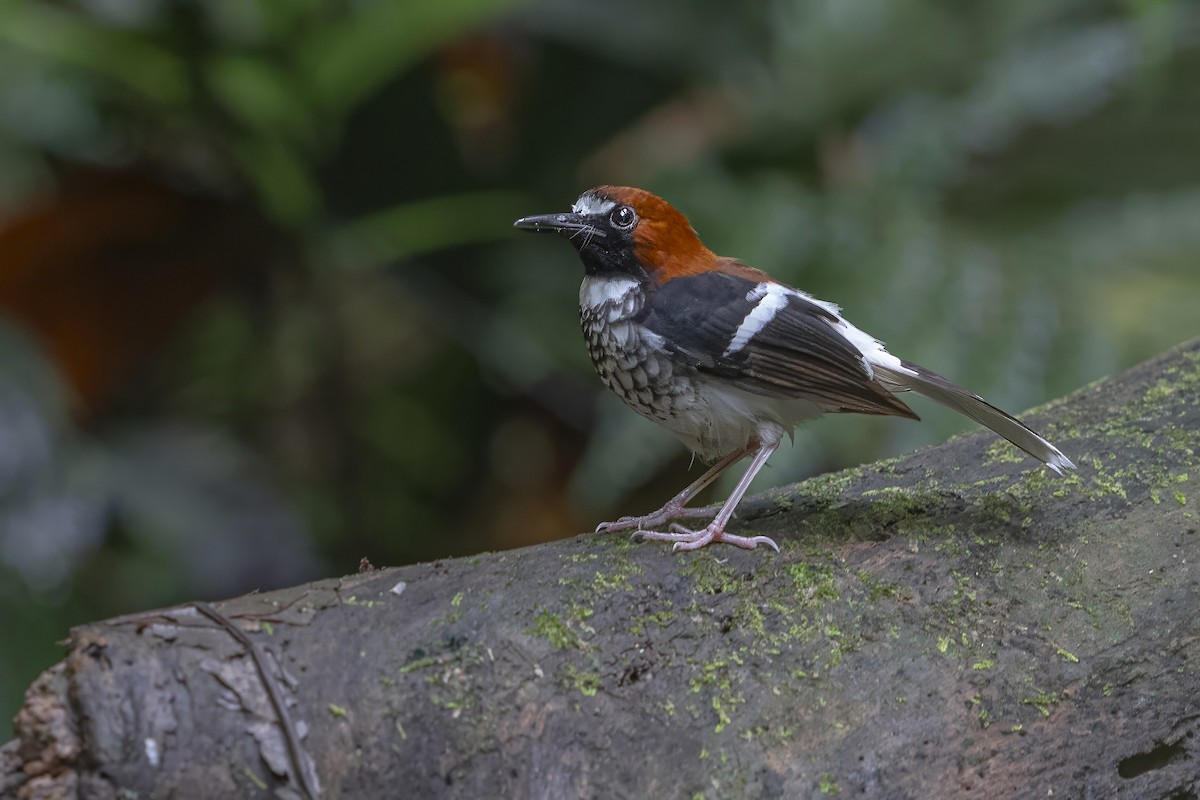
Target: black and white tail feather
[780,343]
[929,384]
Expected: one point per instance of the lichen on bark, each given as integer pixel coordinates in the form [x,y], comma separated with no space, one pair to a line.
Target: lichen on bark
[954,621]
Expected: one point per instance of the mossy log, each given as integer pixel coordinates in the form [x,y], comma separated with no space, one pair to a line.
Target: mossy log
[948,623]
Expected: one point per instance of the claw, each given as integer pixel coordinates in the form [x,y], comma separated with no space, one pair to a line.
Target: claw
[750,542]
[658,518]
[685,539]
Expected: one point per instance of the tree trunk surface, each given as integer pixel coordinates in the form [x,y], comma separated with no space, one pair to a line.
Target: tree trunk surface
[953,622]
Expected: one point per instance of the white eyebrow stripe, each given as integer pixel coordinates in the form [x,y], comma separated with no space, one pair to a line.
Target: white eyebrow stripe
[771,297]
[589,203]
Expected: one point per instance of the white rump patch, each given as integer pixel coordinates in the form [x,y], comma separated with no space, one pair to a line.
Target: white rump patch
[771,297]
[596,293]
[589,203]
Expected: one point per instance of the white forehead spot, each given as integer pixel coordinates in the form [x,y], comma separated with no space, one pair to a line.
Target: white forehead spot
[589,203]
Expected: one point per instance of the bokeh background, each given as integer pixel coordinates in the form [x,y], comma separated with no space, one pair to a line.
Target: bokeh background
[262,313]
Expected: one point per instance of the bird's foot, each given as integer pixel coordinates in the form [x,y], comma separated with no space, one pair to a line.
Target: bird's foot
[686,539]
[658,518]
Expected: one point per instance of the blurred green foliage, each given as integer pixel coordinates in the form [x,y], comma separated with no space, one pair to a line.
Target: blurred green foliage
[1007,192]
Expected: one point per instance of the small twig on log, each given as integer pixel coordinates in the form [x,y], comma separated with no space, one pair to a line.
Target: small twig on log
[290,735]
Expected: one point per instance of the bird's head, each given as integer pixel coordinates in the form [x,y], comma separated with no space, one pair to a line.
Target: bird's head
[622,231]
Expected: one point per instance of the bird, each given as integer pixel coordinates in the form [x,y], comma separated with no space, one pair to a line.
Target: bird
[727,358]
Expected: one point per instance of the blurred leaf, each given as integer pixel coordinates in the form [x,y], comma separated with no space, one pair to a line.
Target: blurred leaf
[198,497]
[262,96]
[350,58]
[279,171]
[433,224]
[69,38]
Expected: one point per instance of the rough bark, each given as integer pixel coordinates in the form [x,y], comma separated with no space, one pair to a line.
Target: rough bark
[948,623]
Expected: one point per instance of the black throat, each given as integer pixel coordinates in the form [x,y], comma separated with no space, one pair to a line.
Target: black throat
[610,256]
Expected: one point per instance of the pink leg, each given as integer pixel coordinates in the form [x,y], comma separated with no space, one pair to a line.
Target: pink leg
[685,539]
[674,509]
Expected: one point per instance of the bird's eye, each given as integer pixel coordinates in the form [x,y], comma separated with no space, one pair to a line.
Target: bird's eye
[622,217]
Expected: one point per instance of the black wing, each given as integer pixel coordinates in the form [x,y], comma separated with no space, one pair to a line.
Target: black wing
[798,354]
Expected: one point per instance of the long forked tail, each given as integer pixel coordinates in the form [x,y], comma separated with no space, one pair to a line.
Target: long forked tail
[929,384]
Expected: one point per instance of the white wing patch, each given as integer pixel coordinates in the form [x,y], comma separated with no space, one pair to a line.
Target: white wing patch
[771,297]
